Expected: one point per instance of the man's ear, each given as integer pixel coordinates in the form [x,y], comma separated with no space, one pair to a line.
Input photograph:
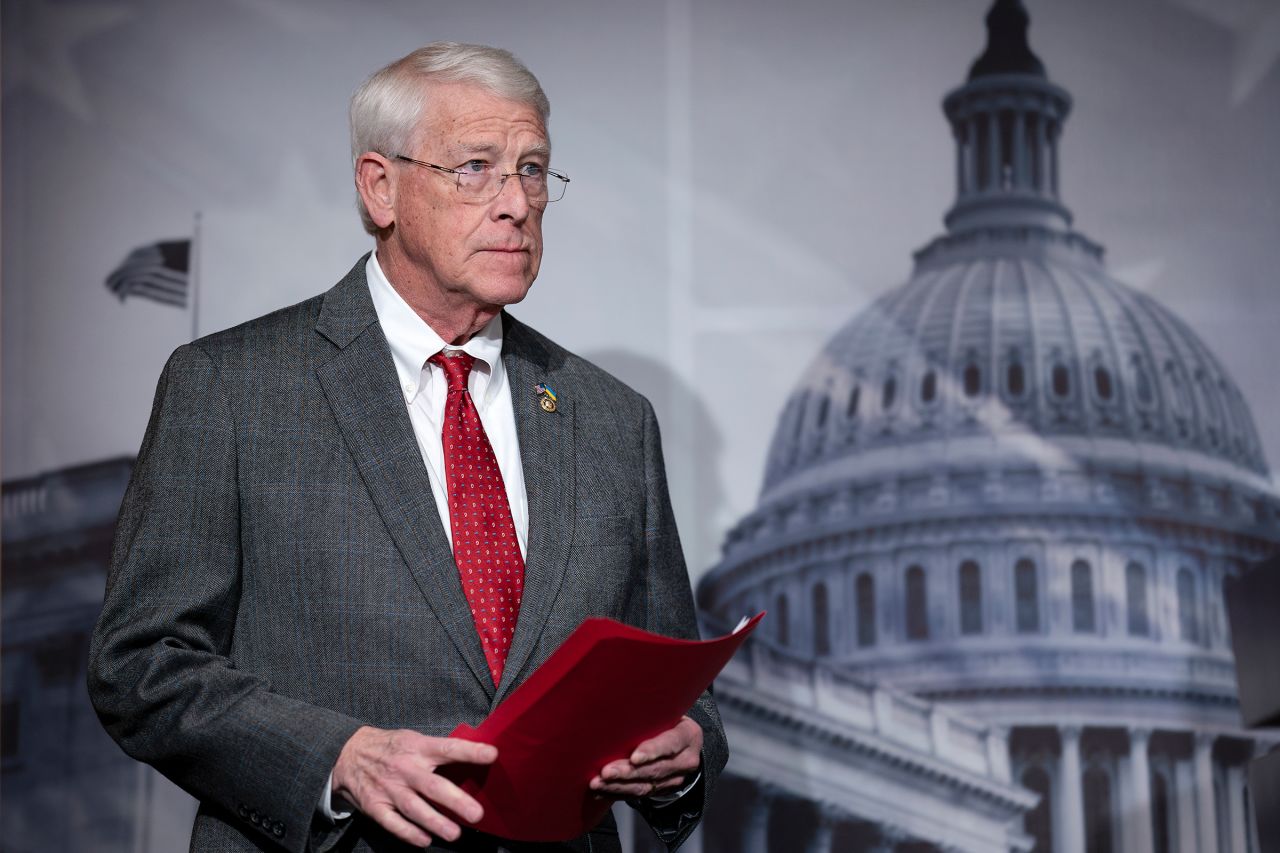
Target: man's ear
[376,183]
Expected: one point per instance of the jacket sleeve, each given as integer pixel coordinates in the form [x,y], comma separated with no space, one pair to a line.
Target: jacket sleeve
[670,612]
[161,671]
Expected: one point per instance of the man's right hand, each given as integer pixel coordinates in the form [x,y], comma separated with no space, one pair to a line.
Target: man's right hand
[390,775]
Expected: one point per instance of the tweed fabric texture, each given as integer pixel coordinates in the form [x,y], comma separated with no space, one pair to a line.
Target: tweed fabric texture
[280,575]
[484,536]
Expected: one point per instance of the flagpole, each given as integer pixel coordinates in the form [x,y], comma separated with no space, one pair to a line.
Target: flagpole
[194,274]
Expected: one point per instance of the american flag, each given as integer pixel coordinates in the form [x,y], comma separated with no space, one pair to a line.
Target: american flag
[159,271]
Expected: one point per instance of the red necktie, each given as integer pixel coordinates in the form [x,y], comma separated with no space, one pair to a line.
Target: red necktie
[484,537]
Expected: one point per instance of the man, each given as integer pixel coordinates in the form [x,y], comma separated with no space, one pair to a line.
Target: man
[359,521]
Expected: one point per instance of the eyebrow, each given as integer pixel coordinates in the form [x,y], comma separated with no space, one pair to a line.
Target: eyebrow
[540,150]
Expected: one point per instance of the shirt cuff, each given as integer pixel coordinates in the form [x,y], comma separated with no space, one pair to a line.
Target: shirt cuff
[325,806]
[668,799]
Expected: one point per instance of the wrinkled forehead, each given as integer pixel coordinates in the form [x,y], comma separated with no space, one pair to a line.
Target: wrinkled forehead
[466,118]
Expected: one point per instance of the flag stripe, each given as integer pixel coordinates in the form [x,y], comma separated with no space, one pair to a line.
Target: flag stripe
[159,272]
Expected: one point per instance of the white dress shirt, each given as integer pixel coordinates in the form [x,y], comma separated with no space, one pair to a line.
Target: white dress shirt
[425,389]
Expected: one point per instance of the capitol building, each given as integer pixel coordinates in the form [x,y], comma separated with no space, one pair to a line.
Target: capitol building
[996,518]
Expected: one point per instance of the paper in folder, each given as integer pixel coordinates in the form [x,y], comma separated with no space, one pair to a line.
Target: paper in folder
[604,691]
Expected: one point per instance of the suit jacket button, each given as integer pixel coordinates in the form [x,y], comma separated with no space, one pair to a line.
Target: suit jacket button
[253,816]
[278,830]
[243,810]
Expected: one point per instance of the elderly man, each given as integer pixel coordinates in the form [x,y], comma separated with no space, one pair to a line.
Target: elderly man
[359,521]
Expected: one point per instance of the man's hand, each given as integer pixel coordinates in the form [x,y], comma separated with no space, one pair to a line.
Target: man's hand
[391,777]
[660,765]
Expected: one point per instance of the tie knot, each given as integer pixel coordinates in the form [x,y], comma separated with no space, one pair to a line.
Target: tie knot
[456,365]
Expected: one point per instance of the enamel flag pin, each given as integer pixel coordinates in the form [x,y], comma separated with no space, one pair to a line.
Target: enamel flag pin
[546,397]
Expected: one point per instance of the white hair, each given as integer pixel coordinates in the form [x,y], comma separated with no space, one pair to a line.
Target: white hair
[385,110]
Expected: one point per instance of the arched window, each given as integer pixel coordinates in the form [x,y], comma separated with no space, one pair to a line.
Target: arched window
[1102,383]
[917,605]
[1188,609]
[782,622]
[1161,815]
[972,380]
[865,591]
[1142,386]
[824,403]
[1082,609]
[970,598]
[852,410]
[1038,823]
[1016,379]
[889,393]
[802,402]
[1026,589]
[1060,379]
[821,621]
[928,387]
[1135,579]
[1098,827]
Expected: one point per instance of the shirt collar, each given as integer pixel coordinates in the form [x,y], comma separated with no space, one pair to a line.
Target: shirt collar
[412,341]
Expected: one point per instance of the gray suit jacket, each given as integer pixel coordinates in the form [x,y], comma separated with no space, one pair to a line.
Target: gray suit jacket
[280,576]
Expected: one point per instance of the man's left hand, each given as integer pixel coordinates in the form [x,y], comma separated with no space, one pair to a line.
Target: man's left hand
[661,765]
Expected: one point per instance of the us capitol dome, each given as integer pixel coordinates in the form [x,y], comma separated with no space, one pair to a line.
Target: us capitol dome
[1006,497]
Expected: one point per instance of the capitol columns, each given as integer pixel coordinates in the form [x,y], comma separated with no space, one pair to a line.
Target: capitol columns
[824,830]
[1139,814]
[1206,810]
[1070,802]
[755,835]
[1239,815]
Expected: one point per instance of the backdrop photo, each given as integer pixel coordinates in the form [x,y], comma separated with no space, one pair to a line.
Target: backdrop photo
[959,327]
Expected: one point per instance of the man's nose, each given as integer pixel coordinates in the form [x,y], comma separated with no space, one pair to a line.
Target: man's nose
[511,203]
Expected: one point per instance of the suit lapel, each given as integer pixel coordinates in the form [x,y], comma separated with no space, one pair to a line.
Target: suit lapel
[362,389]
[547,459]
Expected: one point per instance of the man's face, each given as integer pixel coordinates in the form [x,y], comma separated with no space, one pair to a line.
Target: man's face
[485,253]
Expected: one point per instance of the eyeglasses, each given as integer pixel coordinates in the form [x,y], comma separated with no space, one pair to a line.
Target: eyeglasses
[480,182]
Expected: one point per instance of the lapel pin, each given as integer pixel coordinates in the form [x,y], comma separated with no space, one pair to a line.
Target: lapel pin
[546,397]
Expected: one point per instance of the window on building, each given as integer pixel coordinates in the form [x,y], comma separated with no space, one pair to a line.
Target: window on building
[917,605]
[889,393]
[1037,165]
[824,403]
[1098,825]
[821,620]
[1038,823]
[852,410]
[802,401]
[1082,608]
[1016,379]
[928,387]
[1102,382]
[782,621]
[1135,577]
[972,380]
[1142,386]
[1188,607]
[970,598]
[1026,588]
[865,592]
[1007,176]
[1060,379]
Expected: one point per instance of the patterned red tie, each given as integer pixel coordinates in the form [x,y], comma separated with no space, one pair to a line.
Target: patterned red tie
[484,537]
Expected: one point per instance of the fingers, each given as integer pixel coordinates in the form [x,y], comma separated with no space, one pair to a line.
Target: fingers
[389,819]
[452,750]
[392,777]
[683,735]
[668,760]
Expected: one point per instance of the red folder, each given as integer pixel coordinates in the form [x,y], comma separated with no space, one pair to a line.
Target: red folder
[608,688]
